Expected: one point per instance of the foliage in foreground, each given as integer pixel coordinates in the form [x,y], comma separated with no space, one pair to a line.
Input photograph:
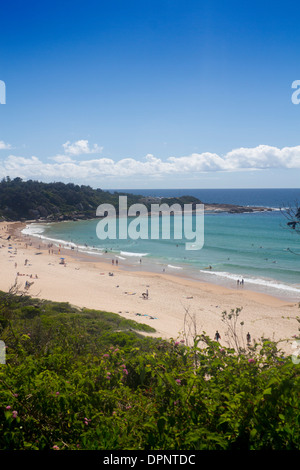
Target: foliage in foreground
[81,379]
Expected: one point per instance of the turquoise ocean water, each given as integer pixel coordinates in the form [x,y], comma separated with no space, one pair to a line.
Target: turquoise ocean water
[257,247]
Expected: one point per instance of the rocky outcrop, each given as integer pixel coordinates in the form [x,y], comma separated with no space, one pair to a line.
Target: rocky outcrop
[234,209]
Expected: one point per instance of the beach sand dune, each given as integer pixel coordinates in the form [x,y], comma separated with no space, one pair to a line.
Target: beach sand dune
[84,281]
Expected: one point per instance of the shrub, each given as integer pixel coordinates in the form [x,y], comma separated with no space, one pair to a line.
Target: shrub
[80,379]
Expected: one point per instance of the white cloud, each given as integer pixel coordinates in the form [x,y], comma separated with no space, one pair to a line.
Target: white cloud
[256,158]
[63,167]
[199,162]
[62,159]
[263,157]
[4,146]
[81,147]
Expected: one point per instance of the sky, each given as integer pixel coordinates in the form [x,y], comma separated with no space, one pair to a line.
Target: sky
[151,94]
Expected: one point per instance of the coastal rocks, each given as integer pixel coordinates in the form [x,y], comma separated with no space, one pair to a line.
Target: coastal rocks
[71,216]
[33,214]
[42,211]
[233,209]
[208,207]
[39,212]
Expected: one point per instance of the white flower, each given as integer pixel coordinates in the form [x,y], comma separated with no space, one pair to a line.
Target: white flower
[296,356]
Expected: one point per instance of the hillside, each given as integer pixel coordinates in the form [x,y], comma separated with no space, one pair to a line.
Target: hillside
[32,200]
[59,201]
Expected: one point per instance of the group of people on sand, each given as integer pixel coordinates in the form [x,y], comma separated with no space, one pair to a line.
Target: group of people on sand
[218,337]
[240,282]
[30,275]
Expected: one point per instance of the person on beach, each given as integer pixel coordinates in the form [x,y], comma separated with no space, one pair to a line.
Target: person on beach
[145,294]
[217,336]
[248,338]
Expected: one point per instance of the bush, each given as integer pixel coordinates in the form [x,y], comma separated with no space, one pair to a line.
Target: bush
[80,379]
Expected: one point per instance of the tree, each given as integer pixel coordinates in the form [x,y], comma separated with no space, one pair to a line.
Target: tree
[292,214]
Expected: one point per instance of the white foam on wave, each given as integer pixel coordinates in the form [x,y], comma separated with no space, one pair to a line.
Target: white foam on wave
[98,253]
[174,267]
[128,253]
[36,230]
[249,280]
[33,229]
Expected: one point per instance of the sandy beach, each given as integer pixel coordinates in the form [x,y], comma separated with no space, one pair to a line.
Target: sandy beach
[84,281]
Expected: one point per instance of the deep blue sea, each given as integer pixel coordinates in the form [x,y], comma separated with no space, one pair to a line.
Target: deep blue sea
[245,197]
[257,247]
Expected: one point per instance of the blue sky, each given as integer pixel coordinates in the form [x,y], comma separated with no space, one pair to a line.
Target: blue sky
[136,94]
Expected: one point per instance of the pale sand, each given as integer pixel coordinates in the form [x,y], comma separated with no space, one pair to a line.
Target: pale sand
[85,282]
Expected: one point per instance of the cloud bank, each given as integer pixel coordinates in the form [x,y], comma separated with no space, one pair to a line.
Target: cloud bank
[69,167]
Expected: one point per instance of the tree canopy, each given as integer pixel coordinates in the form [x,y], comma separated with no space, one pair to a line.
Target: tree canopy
[54,201]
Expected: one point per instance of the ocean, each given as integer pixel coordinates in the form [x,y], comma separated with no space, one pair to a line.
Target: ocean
[256,247]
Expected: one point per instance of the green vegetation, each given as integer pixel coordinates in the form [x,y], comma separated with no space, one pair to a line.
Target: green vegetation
[33,200]
[86,379]
[58,201]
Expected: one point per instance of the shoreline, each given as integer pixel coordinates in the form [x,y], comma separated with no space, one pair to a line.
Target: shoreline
[84,281]
[208,275]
